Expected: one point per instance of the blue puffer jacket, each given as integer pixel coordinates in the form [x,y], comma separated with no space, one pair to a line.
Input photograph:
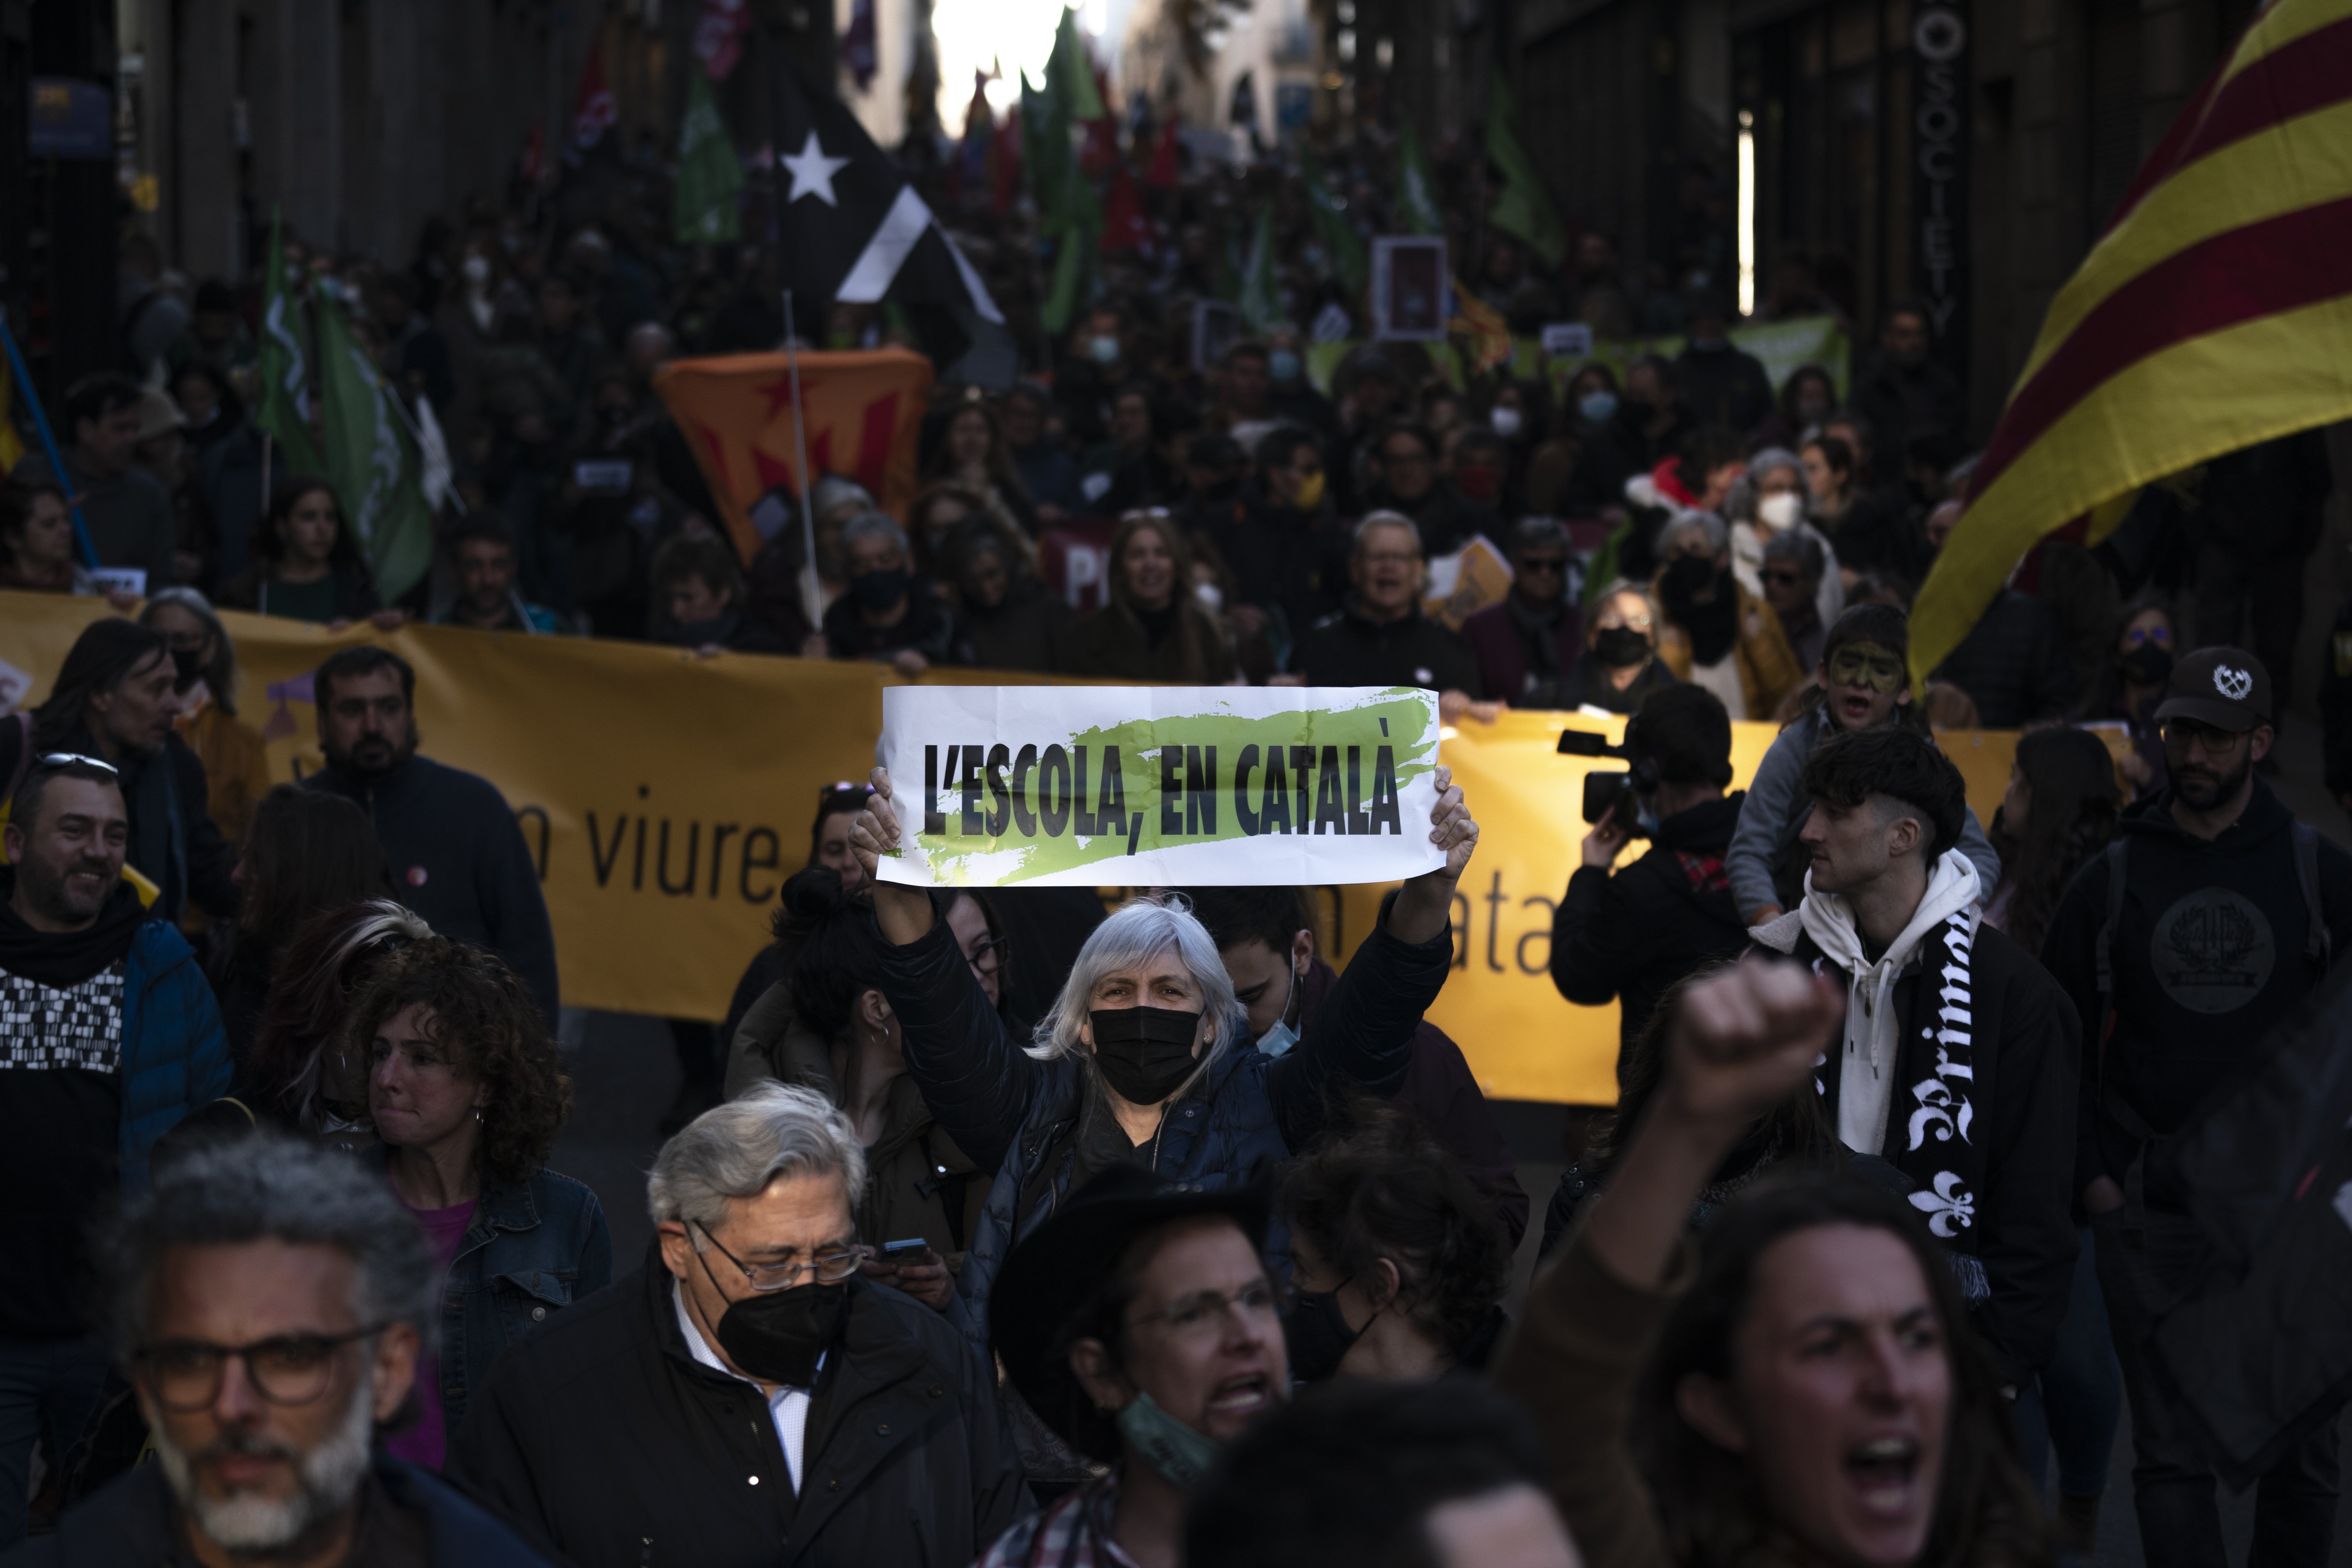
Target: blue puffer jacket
[174,1055]
[1014,1114]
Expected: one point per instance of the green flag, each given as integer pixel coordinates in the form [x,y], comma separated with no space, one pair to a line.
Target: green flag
[1525,208]
[284,415]
[1260,301]
[1069,212]
[1072,70]
[1343,247]
[1416,198]
[703,209]
[372,460]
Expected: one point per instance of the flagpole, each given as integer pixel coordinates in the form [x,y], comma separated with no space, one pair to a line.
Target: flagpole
[48,442]
[812,594]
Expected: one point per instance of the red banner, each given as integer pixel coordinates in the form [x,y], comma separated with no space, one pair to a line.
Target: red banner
[863,414]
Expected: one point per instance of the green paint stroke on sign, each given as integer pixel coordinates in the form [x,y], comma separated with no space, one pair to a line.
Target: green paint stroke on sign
[1051,804]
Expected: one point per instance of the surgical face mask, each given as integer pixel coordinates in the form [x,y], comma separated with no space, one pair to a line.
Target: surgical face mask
[1283,366]
[1478,484]
[1506,420]
[1276,1041]
[1143,1052]
[1597,408]
[1103,349]
[1813,410]
[1308,495]
[880,590]
[1182,1456]
[1780,511]
[1319,1336]
[778,1336]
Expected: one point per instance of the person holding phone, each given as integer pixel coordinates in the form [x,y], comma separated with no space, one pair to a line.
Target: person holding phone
[1629,936]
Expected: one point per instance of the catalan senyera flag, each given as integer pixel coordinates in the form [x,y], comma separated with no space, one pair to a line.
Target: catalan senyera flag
[2215,312]
[862,413]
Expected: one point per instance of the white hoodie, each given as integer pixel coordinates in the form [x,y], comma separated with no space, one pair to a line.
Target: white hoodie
[1865,1073]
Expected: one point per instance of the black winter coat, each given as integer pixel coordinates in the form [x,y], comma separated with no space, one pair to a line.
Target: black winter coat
[2024,1054]
[2208,958]
[1346,649]
[602,1436]
[1628,937]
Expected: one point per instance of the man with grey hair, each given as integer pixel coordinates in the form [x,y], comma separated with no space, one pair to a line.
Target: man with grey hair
[1526,645]
[270,1300]
[887,615]
[1382,639]
[1791,573]
[748,1396]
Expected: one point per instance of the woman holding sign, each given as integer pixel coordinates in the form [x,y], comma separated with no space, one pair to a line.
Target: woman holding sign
[1146,1056]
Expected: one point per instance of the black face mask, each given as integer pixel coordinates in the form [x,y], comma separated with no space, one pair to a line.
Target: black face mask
[1319,1335]
[1620,647]
[1688,577]
[2146,665]
[1143,1052]
[187,666]
[879,590]
[778,1335]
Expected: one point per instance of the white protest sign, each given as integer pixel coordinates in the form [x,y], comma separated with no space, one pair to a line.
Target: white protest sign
[130,580]
[1567,339]
[1159,785]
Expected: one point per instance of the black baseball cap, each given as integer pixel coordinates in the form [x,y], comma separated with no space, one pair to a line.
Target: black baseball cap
[1057,1268]
[2224,687]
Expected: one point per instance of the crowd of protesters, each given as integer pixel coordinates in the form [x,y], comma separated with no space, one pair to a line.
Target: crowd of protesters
[1030,1234]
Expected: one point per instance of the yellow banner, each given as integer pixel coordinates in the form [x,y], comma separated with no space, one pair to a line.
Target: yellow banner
[666,798]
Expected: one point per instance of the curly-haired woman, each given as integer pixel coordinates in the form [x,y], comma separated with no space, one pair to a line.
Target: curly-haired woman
[467,1094]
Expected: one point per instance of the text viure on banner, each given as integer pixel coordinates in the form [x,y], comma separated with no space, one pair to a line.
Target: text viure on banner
[1018,787]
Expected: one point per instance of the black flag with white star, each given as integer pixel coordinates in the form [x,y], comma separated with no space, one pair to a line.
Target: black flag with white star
[851,229]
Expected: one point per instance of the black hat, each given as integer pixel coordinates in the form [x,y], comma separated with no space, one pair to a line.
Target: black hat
[1052,1272]
[2224,687]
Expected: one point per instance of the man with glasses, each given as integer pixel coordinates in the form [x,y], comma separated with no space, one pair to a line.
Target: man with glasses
[270,1302]
[1140,1324]
[109,1037]
[2210,921]
[748,1396]
[1526,645]
[1382,639]
[1410,477]
[1864,682]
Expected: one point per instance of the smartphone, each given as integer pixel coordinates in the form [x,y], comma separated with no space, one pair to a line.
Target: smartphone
[904,1251]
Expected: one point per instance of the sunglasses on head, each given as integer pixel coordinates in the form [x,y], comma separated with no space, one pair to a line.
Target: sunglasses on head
[76,759]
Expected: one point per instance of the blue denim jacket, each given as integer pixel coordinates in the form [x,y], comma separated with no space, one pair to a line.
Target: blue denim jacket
[535,1248]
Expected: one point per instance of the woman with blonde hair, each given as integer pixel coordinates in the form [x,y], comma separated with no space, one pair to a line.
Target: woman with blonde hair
[1155,627]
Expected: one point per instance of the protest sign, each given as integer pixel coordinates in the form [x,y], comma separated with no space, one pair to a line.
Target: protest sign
[665,798]
[1160,785]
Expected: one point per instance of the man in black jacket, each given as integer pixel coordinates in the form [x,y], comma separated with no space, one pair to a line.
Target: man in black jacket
[748,1398]
[1382,639]
[1629,936]
[457,857]
[2227,916]
[1959,1056]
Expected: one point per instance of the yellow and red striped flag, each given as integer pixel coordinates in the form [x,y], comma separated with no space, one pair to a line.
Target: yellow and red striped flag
[2215,312]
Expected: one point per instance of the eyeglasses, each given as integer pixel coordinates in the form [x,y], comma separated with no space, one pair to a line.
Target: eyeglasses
[830,1267]
[185,1375]
[2188,734]
[76,759]
[1782,577]
[2139,635]
[1551,565]
[988,958]
[1203,1313]
[1859,664]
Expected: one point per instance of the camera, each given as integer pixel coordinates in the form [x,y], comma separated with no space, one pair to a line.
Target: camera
[1606,792]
